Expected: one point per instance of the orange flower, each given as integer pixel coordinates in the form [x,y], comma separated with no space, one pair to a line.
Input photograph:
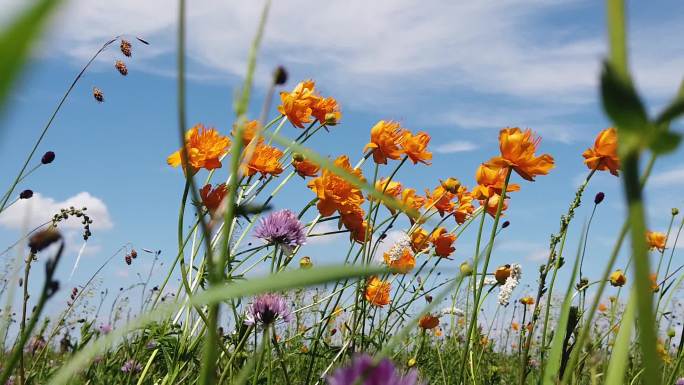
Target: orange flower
[297,105]
[443,242]
[388,187]
[204,147]
[465,205]
[428,321]
[502,273]
[384,142]
[655,287]
[212,198]
[265,159]
[411,200]
[493,205]
[490,180]
[656,240]
[527,301]
[617,278]
[305,168]
[440,199]
[353,221]
[378,292]
[415,147]
[515,326]
[403,264]
[326,110]
[248,131]
[603,156]
[419,240]
[517,151]
[335,193]
[602,307]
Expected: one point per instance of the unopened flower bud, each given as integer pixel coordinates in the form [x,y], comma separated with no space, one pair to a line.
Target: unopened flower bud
[48,157]
[505,224]
[26,194]
[280,76]
[599,197]
[128,259]
[671,333]
[451,185]
[675,211]
[466,269]
[305,263]
[134,254]
[330,119]
[297,157]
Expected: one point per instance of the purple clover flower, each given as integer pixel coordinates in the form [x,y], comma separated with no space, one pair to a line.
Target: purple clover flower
[362,371]
[266,309]
[131,366]
[282,228]
[680,381]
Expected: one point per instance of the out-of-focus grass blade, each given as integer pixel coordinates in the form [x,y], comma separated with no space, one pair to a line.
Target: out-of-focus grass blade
[16,41]
[553,364]
[344,174]
[271,283]
[620,354]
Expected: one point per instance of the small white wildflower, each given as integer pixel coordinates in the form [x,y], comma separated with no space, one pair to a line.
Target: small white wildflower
[453,311]
[511,283]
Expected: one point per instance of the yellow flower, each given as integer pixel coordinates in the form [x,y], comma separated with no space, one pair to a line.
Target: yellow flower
[378,292]
[204,148]
[451,185]
[603,156]
[335,193]
[617,278]
[402,265]
[265,159]
[527,301]
[411,200]
[297,105]
[656,240]
[305,263]
[515,326]
[415,147]
[466,268]
[518,152]
[443,242]
[384,142]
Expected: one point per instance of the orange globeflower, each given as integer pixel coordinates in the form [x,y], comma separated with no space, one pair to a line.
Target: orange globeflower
[297,105]
[335,193]
[428,321]
[405,262]
[305,168]
[415,147]
[419,240]
[388,187]
[654,282]
[440,199]
[248,131]
[602,307]
[656,240]
[411,200]
[326,110]
[353,221]
[378,292]
[502,273]
[490,180]
[493,204]
[384,141]
[204,147]
[603,156]
[265,159]
[517,151]
[465,205]
[212,198]
[443,242]
[527,301]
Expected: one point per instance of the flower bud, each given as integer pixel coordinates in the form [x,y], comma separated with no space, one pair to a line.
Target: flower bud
[599,197]
[126,48]
[280,76]
[305,263]
[451,185]
[297,157]
[128,259]
[505,224]
[26,194]
[411,362]
[671,333]
[98,95]
[330,119]
[675,211]
[466,269]
[134,254]
[121,67]
[48,157]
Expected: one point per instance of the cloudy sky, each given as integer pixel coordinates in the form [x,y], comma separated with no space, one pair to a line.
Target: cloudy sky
[458,70]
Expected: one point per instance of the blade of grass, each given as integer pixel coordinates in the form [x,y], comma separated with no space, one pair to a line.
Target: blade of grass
[620,354]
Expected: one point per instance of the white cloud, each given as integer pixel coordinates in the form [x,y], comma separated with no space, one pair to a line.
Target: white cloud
[29,213]
[455,146]
[673,177]
[529,251]
[325,227]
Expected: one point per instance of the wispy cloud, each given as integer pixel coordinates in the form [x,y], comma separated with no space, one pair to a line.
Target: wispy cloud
[455,146]
[673,177]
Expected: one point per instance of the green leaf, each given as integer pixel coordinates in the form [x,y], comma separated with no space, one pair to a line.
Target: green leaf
[16,41]
[664,142]
[674,110]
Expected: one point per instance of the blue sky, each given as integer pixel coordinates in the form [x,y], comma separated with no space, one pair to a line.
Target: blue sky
[459,72]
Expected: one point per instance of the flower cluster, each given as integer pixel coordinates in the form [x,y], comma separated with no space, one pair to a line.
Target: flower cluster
[303,104]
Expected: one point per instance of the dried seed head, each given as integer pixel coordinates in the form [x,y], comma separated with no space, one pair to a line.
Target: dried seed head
[121,67]
[48,157]
[126,48]
[98,95]
[134,254]
[26,194]
[280,76]
[42,239]
[128,259]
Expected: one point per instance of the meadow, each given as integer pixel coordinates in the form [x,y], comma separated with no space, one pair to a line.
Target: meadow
[264,312]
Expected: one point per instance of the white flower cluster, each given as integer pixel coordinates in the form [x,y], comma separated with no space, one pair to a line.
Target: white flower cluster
[453,311]
[511,283]
[397,249]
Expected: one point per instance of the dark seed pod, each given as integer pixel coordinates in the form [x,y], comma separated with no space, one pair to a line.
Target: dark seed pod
[26,194]
[128,259]
[599,198]
[280,76]
[126,48]
[48,157]
[506,224]
[121,67]
[134,254]
[98,95]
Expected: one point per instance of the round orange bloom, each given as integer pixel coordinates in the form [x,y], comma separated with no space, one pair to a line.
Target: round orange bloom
[378,292]
[517,151]
[656,240]
[443,242]
[419,240]
[428,321]
[415,147]
[297,105]
[617,278]
[451,185]
[353,221]
[335,193]
[305,168]
[603,156]
[411,200]
[515,326]
[493,205]
[384,142]
[465,205]
[326,110]
[265,159]
[212,198]
[527,301]
[490,180]
[502,273]
[402,265]
[602,307]
[440,199]
[204,147]
[388,187]
[248,131]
